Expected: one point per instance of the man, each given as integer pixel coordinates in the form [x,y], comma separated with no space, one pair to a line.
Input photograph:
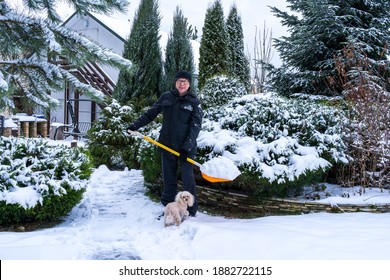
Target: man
[182,120]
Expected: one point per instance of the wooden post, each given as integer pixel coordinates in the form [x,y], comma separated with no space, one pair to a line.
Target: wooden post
[42,129]
[33,129]
[26,129]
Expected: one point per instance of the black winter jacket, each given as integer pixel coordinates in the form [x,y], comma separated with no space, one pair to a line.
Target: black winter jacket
[182,120]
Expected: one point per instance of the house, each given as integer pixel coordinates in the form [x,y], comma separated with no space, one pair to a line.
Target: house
[103,78]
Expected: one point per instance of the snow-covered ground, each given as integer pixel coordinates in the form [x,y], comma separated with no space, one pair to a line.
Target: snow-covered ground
[117,221]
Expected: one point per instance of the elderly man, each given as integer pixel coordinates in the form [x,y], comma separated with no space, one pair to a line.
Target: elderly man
[182,120]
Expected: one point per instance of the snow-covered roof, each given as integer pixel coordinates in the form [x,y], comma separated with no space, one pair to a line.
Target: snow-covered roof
[100,21]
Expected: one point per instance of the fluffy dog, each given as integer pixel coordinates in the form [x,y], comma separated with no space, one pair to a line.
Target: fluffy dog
[175,212]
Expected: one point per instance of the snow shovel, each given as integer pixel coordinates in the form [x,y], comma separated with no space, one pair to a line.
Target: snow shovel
[233,171]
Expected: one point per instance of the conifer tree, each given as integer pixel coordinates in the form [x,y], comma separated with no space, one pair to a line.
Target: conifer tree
[238,61]
[33,36]
[140,85]
[178,54]
[319,30]
[214,52]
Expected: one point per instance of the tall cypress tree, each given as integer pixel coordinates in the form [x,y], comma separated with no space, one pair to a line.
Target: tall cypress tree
[140,85]
[319,30]
[239,62]
[178,54]
[214,52]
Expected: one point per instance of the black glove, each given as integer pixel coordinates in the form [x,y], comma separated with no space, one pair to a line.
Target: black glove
[132,127]
[183,155]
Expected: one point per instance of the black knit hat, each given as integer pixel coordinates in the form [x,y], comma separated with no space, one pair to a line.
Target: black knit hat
[183,74]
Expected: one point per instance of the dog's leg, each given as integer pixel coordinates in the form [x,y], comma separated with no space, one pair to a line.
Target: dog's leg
[184,214]
[177,221]
[166,222]
[168,217]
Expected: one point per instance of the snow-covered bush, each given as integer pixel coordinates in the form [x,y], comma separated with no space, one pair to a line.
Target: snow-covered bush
[219,90]
[40,182]
[109,143]
[276,142]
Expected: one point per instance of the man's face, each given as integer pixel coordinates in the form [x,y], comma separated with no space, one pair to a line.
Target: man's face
[182,85]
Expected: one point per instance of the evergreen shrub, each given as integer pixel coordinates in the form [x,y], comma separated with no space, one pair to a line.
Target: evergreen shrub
[296,142]
[219,90]
[109,143]
[39,182]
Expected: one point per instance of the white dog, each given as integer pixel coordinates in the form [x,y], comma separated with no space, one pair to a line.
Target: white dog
[175,212]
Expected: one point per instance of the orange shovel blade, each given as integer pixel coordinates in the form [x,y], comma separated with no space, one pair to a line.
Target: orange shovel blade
[214,179]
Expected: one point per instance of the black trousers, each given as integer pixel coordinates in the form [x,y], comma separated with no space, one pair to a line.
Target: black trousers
[170,164]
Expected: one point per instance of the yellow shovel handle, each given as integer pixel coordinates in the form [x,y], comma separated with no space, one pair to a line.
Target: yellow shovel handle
[147,138]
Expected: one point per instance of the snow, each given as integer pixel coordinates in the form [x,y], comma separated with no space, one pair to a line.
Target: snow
[248,150]
[3,83]
[220,167]
[117,221]
[26,197]
[10,123]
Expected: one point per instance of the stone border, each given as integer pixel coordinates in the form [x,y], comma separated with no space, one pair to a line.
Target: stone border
[230,201]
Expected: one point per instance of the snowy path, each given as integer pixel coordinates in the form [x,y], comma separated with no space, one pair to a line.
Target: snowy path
[123,222]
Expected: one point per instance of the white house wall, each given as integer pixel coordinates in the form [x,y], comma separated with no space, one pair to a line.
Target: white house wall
[104,36]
